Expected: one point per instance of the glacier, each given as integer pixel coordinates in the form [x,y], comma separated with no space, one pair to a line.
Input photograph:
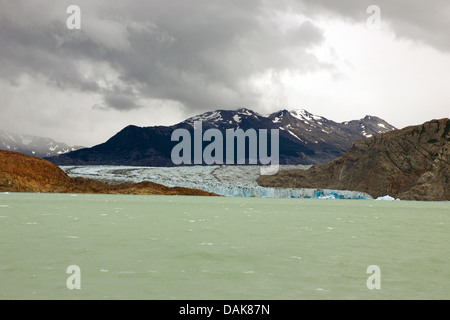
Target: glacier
[229,181]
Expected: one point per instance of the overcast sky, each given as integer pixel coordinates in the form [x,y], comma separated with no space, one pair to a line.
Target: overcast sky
[159,62]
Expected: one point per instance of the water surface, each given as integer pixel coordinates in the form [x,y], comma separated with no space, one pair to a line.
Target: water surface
[179,247]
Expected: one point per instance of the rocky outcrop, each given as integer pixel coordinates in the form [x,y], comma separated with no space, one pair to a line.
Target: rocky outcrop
[23,173]
[410,164]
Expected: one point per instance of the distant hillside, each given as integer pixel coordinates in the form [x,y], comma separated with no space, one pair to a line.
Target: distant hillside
[304,138]
[411,164]
[33,145]
[23,173]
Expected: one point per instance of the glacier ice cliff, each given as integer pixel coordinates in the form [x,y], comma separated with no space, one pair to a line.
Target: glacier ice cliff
[230,181]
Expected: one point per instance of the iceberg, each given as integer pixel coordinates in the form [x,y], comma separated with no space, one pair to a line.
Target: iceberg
[387,198]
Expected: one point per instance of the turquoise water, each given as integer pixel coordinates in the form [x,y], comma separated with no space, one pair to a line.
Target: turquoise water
[169,247]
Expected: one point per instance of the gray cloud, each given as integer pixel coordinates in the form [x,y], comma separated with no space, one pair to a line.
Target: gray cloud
[198,53]
[423,21]
[193,54]
[120,101]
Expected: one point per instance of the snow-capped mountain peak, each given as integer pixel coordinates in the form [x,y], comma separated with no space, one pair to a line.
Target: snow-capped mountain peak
[227,118]
[303,114]
[33,145]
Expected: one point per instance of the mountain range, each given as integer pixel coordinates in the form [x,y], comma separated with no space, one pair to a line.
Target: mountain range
[304,138]
[33,145]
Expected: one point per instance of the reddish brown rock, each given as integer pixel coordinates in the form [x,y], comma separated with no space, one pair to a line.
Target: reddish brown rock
[410,164]
[22,173]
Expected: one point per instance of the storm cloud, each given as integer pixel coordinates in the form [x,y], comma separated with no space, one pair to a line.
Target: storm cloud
[193,54]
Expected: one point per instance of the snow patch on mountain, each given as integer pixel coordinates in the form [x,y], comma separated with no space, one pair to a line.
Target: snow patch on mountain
[246,112]
[208,116]
[294,135]
[301,114]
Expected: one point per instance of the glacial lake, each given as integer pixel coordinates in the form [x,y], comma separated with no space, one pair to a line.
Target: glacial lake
[179,247]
